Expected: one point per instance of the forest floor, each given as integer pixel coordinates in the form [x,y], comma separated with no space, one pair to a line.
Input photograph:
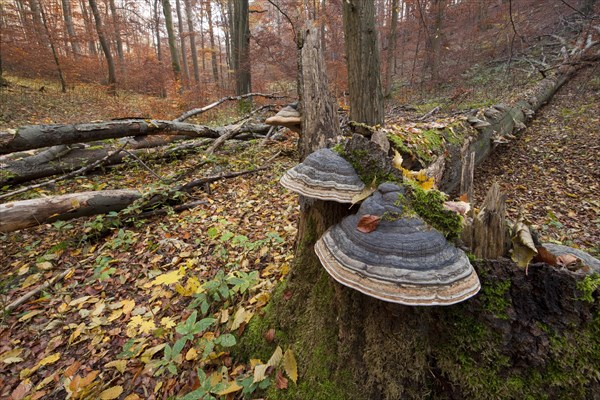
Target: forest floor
[156,300]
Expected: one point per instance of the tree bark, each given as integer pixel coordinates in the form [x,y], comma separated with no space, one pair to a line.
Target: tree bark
[112,77]
[28,213]
[391,53]
[213,49]
[192,34]
[241,46]
[89,28]
[166,4]
[362,52]
[117,32]
[186,71]
[38,136]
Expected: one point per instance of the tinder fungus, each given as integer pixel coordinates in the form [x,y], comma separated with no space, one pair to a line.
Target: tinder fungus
[401,260]
[324,175]
[288,117]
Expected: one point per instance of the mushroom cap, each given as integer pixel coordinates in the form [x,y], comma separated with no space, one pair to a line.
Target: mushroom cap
[324,175]
[288,117]
[402,261]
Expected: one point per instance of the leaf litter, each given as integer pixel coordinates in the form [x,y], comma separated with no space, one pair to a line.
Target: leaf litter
[153,309]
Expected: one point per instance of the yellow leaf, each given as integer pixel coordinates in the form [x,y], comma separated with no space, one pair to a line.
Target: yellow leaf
[76,332]
[46,265]
[128,305]
[232,387]
[290,365]
[120,365]
[111,393]
[132,396]
[191,354]
[147,326]
[276,357]
[116,314]
[25,373]
[149,353]
[259,372]
[51,359]
[397,160]
[168,278]
[167,322]
[31,279]
[10,354]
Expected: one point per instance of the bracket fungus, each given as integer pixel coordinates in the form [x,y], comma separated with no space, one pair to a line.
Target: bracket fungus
[402,261]
[288,117]
[324,175]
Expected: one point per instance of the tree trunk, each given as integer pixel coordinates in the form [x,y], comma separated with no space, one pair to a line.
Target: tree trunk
[241,46]
[391,53]
[88,28]
[213,49]
[192,33]
[186,71]
[63,84]
[112,77]
[117,31]
[68,17]
[171,37]
[38,24]
[362,52]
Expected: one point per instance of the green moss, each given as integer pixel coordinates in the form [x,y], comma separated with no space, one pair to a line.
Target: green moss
[495,297]
[367,169]
[588,286]
[429,205]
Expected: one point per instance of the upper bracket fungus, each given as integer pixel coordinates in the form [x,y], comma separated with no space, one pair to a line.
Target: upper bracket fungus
[324,175]
[288,117]
[402,261]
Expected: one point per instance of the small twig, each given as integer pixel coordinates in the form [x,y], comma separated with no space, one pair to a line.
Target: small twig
[236,130]
[69,175]
[197,111]
[286,17]
[253,112]
[139,160]
[35,291]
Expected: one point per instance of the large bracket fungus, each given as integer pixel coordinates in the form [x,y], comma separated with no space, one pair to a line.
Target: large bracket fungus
[289,117]
[402,261]
[324,175]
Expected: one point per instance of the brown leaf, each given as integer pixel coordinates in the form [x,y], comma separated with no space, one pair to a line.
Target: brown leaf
[566,259]
[281,381]
[70,371]
[21,390]
[270,335]
[545,256]
[459,207]
[368,223]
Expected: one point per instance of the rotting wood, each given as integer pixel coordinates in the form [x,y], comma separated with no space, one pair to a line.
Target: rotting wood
[28,213]
[489,240]
[37,290]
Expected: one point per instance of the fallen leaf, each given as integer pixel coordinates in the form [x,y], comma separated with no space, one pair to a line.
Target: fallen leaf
[120,365]
[281,381]
[368,223]
[70,371]
[168,278]
[270,335]
[167,322]
[545,256]
[192,354]
[566,259]
[232,387]
[111,393]
[397,160]
[51,359]
[289,365]
[459,207]
[276,357]
[21,390]
[260,372]
[523,247]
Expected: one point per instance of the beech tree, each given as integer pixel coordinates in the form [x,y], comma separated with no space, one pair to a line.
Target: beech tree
[241,46]
[112,77]
[171,37]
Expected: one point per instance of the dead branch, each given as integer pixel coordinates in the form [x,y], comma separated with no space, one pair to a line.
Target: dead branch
[35,291]
[83,170]
[197,111]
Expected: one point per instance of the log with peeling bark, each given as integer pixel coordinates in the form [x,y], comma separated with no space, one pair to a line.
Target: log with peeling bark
[23,214]
[38,136]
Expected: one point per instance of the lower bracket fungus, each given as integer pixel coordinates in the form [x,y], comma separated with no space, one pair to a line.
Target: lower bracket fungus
[403,260]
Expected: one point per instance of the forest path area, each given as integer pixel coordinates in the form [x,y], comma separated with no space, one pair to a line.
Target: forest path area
[552,171]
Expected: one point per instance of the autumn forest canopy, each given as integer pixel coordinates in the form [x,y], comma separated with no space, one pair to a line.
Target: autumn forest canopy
[285,199]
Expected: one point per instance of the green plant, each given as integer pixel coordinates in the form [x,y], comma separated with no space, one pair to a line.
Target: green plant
[588,286]
[102,268]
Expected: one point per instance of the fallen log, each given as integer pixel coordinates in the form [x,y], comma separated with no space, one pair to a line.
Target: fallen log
[28,213]
[38,136]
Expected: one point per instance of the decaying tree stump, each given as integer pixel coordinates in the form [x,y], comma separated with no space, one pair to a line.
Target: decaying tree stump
[489,226]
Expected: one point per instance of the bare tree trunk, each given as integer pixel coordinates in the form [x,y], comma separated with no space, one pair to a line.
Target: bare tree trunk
[192,33]
[112,77]
[117,32]
[391,53]
[362,52]
[171,37]
[63,85]
[89,28]
[211,37]
[186,71]
[68,16]
[241,46]
[226,26]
